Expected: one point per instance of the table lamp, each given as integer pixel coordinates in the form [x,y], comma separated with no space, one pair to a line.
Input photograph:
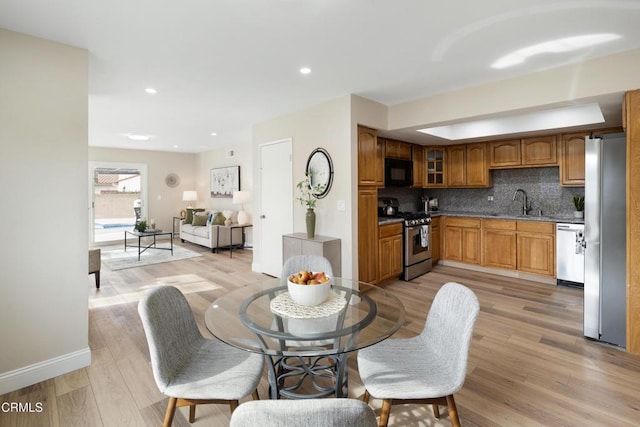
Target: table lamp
[189,196]
[240,198]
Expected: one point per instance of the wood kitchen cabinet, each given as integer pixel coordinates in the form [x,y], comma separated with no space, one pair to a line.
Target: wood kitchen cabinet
[390,250]
[505,154]
[419,169]
[435,240]
[467,166]
[435,162]
[379,164]
[368,162]
[528,152]
[368,234]
[462,239]
[499,243]
[397,149]
[456,166]
[535,247]
[540,150]
[572,158]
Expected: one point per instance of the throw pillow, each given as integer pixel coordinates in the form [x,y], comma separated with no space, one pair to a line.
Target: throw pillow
[188,219]
[199,220]
[218,219]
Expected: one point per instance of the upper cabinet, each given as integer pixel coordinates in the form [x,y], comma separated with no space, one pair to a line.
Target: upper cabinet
[435,161]
[369,163]
[418,166]
[505,154]
[572,159]
[467,166]
[528,152]
[397,149]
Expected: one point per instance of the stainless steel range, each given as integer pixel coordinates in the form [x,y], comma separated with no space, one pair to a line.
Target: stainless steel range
[416,233]
[416,253]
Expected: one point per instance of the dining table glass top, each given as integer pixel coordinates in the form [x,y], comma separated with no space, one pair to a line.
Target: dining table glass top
[261,318]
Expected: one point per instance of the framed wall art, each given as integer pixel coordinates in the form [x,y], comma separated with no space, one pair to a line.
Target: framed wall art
[224,181]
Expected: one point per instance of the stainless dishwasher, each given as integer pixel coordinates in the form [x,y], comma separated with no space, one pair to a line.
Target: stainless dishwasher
[570,254]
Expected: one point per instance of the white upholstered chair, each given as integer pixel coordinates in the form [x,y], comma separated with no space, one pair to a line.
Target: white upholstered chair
[430,367]
[306,262]
[305,412]
[187,367]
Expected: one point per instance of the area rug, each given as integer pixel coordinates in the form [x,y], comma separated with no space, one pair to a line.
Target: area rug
[115,258]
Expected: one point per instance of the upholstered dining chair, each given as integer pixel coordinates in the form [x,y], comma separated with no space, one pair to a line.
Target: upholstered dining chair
[306,262]
[94,264]
[187,367]
[306,412]
[428,368]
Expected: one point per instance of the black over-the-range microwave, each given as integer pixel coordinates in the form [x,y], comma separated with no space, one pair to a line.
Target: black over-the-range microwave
[398,173]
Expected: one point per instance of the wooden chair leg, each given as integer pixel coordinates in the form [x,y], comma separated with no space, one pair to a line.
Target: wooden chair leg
[192,413]
[171,410]
[366,396]
[255,395]
[436,411]
[453,411]
[233,404]
[384,413]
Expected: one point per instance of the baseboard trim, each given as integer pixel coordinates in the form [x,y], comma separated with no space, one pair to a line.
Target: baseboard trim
[41,371]
[499,272]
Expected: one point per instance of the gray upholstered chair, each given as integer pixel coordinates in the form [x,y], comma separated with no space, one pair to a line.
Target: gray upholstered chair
[94,264]
[187,367]
[306,262]
[430,367]
[306,412]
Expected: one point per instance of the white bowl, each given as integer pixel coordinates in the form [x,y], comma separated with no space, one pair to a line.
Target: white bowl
[309,295]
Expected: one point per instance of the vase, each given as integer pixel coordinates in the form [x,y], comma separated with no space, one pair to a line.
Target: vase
[578,214]
[311,223]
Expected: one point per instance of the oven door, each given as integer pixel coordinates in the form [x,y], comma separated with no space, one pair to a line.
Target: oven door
[416,244]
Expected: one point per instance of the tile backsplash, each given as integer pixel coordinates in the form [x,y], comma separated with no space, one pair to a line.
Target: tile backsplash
[542,186]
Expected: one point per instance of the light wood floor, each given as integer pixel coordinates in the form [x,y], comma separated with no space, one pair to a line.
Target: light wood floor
[529,364]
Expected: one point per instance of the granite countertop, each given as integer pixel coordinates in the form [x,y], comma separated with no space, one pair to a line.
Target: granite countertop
[489,215]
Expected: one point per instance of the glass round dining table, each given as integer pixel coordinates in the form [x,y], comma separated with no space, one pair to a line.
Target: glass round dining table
[305,347]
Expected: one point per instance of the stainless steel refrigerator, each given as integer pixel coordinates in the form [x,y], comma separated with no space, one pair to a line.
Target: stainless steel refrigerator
[605,293]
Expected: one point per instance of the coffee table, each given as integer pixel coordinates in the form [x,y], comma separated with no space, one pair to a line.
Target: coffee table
[152,245]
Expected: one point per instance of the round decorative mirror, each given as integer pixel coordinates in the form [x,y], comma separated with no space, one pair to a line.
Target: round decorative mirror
[320,169]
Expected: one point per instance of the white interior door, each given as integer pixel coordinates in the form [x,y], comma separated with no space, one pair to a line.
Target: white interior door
[276,206]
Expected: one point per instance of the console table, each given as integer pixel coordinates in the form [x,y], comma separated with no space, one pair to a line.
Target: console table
[328,247]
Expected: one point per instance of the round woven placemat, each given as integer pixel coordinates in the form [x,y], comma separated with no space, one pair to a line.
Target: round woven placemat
[285,306]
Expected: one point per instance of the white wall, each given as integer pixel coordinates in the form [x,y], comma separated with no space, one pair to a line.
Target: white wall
[43,182]
[614,74]
[219,158]
[326,125]
[163,202]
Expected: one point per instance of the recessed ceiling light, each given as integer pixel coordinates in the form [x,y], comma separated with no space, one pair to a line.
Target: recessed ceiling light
[213,134]
[538,120]
[305,70]
[175,146]
[135,137]
[151,90]
[567,44]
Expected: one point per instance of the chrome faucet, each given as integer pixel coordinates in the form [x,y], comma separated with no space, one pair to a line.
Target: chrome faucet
[525,209]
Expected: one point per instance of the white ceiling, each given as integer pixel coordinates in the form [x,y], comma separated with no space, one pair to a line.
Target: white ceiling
[223,65]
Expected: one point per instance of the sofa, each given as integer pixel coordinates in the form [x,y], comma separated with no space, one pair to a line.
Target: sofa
[209,235]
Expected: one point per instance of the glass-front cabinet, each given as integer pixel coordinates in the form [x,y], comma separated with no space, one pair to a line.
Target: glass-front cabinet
[435,159]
